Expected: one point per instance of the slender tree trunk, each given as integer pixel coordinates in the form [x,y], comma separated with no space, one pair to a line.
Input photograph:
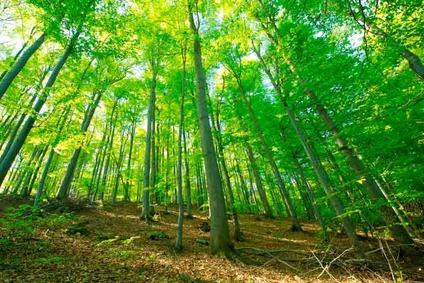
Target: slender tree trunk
[29,123]
[63,192]
[305,198]
[243,187]
[220,235]
[24,171]
[221,158]
[12,137]
[153,158]
[187,178]
[323,178]
[398,231]
[43,178]
[17,55]
[6,127]
[108,151]
[179,240]
[97,166]
[127,194]
[103,153]
[311,196]
[275,171]
[258,181]
[147,160]
[252,191]
[35,173]
[118,170]
[199,183]
[15,131]
[19,65]
[340,176]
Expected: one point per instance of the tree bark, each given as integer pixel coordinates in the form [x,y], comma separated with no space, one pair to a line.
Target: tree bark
[118,169]
[414,62]
[322,175]
[147,170]
[19,65]
[258,181]
[187,178]
[221,157]
[127,194]
[220,236]
[398,231]
[63,192]
[310,196]
[29,123]
[179,240]
[268,153]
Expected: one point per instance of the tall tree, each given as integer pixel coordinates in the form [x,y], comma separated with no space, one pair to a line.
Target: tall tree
[220,236]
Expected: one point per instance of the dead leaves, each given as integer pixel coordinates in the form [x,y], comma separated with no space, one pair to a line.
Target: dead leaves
[117,248]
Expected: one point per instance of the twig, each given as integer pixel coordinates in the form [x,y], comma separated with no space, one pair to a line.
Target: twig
[260,251]
[387,259]
[270,253]
[324,268]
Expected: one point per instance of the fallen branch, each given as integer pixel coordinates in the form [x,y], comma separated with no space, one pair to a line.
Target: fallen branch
[263,252]
[311,258]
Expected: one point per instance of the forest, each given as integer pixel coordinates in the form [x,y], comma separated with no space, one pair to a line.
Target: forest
[211,141]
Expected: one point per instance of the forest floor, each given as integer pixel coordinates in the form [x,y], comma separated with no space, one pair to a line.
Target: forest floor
[111,244]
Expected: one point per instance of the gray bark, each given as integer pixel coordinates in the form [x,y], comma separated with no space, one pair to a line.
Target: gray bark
[220,236]
[179,240]
[70,170]
[29,123]
[19,65]
[323,178]
[147,160]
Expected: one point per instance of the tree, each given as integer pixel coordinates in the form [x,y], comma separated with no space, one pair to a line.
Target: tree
[220,235]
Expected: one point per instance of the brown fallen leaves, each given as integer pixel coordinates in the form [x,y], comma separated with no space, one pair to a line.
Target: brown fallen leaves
[117,248]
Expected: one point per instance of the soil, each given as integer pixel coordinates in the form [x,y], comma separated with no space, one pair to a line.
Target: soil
[110,244]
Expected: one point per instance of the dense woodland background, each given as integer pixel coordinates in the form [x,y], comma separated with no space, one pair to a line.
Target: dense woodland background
[306,110]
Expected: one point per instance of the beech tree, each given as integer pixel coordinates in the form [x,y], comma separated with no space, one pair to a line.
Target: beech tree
[299,110]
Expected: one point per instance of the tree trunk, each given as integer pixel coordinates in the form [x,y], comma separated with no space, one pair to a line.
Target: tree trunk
[147,170]
[258,181]
[127,194]
[118,169]
[43,178]
[398,231]
[221,158]
[414,62]
[268,153]
[24,171]
[29,123]
[323,178]
[310,196]
[63,192]
[179,240]
[108,151]
[187,178]
[220,236]
[35,173]
[242,186]
[19,65]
